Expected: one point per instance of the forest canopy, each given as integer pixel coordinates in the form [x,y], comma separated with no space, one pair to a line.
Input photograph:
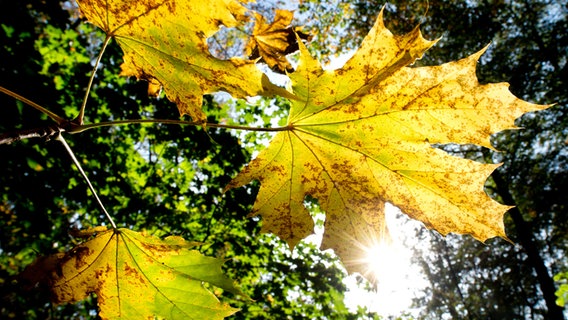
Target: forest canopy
[169,170]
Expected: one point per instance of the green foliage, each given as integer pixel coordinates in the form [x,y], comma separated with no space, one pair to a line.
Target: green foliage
[168,179]
[562,291]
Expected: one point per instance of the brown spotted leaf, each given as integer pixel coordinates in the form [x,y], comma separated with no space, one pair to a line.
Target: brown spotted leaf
[362,135]
[138,276]
[165,40]
[272,42]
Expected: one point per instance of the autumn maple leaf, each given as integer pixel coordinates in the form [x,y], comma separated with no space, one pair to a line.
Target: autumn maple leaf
[272,42]
[164,42]
[361,136]
[136,276]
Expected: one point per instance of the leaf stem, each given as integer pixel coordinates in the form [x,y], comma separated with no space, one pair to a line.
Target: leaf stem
[82,128]
[34,105]
[76,162]
[80,117]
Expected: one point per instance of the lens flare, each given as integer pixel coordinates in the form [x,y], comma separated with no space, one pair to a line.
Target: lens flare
[381,262]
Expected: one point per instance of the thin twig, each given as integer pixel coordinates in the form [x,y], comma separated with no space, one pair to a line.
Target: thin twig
[81,115]
[53,116]
[76,162]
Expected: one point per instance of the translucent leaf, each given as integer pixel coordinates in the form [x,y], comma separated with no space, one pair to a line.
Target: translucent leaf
[166,41]
[361,136]
[138,276]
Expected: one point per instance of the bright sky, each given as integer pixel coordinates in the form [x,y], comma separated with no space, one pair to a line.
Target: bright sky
[398,278]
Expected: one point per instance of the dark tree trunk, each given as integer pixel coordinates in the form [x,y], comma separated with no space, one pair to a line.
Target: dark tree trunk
[526,240]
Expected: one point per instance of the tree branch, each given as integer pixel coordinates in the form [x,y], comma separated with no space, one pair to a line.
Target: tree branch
[526,240]
[81,128]
[47,133]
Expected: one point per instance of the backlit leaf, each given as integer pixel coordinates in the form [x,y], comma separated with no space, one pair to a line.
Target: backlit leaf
[166,40]
[138,276]
[362,135]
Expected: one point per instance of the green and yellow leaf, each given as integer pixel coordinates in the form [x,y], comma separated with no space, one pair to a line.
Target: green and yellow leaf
[361,136]
[138,276]
[166,41]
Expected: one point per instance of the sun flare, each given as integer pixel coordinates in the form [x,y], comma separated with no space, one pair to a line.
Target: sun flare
[394,280]
[385,262]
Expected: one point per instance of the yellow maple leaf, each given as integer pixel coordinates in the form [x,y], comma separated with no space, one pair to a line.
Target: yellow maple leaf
[272,42]
[166,41]
[362,135]
[136,276]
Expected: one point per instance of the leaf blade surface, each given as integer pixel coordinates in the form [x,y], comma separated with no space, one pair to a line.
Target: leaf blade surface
[166,41]
[137,276]
[362,135]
